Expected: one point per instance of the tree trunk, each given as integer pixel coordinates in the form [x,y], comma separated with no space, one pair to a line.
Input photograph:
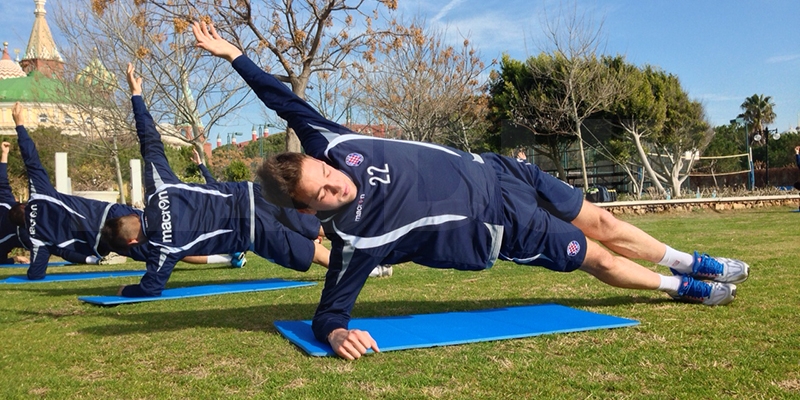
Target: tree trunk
[584,174]
[293,142]
[117,166]
[200,150]
[646,163]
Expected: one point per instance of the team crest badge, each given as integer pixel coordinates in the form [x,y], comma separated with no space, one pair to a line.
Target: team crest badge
[573,248]
[354,159]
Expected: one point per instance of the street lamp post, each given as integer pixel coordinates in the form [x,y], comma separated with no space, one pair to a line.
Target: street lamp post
[232,136]
[263,132]
[751,178]
[775,136]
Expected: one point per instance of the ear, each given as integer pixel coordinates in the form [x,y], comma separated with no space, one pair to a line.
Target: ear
[133,242]
[308,211]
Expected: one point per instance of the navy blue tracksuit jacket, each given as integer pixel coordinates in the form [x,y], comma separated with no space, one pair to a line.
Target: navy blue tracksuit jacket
[60,224]
[182,219]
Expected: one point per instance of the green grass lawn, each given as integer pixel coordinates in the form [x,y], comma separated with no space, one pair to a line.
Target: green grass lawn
[226,346]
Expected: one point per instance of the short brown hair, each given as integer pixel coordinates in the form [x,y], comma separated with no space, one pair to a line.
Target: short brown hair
[17,214]
[117,231]
[280,175]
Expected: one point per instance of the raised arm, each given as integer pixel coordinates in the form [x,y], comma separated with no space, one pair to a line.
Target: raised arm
[156,167]
[160,264]
[38,180]
[6,195]
[314,131]
[797,155]
[203,170]
[40,256]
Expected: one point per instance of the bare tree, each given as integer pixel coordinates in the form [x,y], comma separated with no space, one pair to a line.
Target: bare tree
[303,37]
[87,107]
[184,91]
[578,84]
[430,90]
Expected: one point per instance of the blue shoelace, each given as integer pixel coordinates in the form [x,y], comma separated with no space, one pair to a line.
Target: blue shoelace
[696,290]
[708,266]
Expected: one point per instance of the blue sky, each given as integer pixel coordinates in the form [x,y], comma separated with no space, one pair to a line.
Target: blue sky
[722,50]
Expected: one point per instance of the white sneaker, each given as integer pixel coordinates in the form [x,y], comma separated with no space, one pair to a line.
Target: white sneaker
[376,272]
[381,271]
[709,293]
[113,258]
[719,269]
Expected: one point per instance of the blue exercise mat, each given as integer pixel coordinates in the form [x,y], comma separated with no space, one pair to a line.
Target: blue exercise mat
[52,264]
[77,276]
[443,329]
[198,291]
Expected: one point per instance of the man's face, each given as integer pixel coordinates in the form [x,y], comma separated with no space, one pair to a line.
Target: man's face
[323,187]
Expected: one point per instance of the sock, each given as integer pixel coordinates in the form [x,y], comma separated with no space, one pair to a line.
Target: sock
[219,259]
[670,284]
[677,260]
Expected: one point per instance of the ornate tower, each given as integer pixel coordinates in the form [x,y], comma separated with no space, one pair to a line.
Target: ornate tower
[8,68]
[42,54]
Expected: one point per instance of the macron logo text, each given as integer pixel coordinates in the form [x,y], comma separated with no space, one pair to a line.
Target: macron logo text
[34,213]
[166,217]
[360,207]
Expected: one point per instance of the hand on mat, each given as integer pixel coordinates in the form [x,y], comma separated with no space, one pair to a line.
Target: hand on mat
[21,260]
[208,39]
[352,344]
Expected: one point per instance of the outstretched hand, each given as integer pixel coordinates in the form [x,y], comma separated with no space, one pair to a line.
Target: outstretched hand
[5,147]
[196,157]
[134,82]
[208,39]
[17,114]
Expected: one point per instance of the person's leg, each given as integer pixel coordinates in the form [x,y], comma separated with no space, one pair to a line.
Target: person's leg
[235,260]
[567,203]
[619,236]
[632,242]
[617,271]
[200,260]
[623,273]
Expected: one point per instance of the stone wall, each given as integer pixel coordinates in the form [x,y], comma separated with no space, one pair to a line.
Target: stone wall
[688,205]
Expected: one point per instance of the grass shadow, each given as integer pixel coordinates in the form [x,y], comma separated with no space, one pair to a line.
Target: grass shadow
[260,318]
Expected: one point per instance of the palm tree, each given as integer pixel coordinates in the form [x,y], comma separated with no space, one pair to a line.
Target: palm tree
[758,112]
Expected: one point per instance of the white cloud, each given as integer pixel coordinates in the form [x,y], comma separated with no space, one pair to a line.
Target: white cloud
[495,32]
[780,59]
[449,6]
[715,97]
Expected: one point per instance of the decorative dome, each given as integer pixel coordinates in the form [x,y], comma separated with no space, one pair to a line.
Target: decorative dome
[96,74]
[9,68]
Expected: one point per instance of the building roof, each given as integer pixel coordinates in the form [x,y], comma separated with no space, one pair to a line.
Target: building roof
[32,88]
[9,68]
[96,74]
[41,45]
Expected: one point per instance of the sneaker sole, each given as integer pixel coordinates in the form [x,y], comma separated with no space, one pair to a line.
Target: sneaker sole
[728,301]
